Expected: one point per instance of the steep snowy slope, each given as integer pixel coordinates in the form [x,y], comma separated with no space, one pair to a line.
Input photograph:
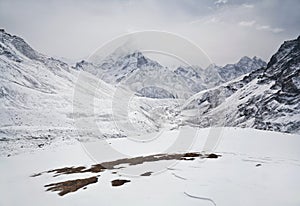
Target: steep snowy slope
[36,97]
[35,89]
[38,106]
[268,98]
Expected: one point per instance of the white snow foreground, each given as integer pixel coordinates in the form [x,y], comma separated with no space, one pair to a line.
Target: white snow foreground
[255,168]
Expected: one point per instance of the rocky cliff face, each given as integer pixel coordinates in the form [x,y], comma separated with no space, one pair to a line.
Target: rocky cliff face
[268,98]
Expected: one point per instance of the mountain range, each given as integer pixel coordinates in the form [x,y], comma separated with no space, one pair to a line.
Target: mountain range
[148,78]
[37,95]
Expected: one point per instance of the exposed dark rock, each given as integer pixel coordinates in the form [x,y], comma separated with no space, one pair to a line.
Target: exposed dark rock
[118,182]
[147,174]
[212,156]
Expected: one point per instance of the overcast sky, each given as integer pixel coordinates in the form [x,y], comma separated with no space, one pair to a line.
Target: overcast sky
[225,29]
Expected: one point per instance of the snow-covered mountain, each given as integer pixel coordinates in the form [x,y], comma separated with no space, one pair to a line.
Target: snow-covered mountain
[37,100]
[268,98]
[243,66]
[140,74]
[200,79]
[37,95]
[150,79]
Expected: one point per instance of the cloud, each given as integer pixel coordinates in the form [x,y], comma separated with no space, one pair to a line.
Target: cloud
[269,28]
[73,28]
[259,27]
[218,2]
[206,20]
[247,23]
[249,6]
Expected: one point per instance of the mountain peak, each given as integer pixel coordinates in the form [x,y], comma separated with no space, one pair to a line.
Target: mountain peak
[245,58]
[135,54]
[285,50]
[212,66]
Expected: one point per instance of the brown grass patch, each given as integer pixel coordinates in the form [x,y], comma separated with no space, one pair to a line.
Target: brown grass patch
[70,185]
[73,185]
[130,161]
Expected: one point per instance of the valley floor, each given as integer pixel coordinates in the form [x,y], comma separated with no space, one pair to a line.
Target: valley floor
[253,168]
